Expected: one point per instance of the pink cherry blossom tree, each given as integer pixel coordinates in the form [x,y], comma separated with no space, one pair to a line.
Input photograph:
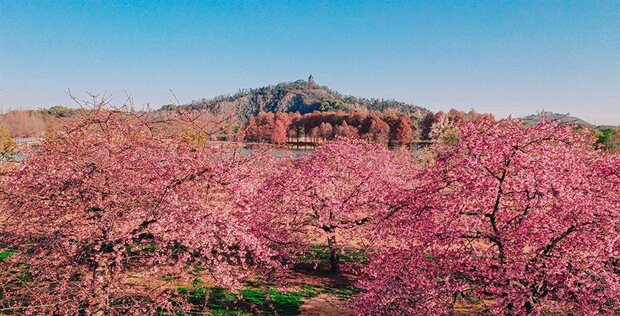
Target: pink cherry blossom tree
[519,220]
[330,195]
[113,209]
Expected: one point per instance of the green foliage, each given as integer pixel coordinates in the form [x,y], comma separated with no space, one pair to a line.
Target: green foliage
[168,107]
[298,96]
[8,148]
[257,298]
[450,137]
[310,291]
[606,137]
[334,105]
[60,111]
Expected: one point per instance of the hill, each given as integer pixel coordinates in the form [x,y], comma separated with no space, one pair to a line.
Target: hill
[534,119]
[300,96]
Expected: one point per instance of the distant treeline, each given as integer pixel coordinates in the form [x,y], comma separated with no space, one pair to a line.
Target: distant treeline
[389,127]
[391,122]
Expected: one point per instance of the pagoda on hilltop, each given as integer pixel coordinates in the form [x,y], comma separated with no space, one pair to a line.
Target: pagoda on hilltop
[311,81]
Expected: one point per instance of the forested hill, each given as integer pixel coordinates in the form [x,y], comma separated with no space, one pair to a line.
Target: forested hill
[534,119]
[300,96]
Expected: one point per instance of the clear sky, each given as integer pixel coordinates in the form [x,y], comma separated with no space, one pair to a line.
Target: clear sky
[502,57]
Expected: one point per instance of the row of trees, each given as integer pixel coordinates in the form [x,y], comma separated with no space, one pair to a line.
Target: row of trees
[386,128]
[527,218]
[112,209]
[319,126]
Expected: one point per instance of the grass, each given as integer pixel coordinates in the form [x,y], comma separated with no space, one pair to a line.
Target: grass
[257,298]
[248,301]
[5,254]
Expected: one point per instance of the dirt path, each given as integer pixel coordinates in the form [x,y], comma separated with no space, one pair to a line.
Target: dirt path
[325,304]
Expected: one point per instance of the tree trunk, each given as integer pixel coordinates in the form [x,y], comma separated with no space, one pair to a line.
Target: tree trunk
[333,252]
[101,278]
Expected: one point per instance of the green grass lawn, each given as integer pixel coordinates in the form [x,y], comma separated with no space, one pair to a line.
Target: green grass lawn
[257,298]
[248,301]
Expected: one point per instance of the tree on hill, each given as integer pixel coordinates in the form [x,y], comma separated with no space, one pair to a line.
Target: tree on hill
[535,119]
[60,111]
[608,137]
[331,105]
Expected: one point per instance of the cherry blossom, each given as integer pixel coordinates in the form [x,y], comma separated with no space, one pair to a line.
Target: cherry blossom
[330,194]
[519,221]
[113,209]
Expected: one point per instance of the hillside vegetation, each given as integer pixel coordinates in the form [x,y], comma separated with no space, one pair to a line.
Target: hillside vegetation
[300,96]
[534,119]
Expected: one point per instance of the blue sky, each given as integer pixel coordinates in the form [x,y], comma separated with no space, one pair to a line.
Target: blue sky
[502,57]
